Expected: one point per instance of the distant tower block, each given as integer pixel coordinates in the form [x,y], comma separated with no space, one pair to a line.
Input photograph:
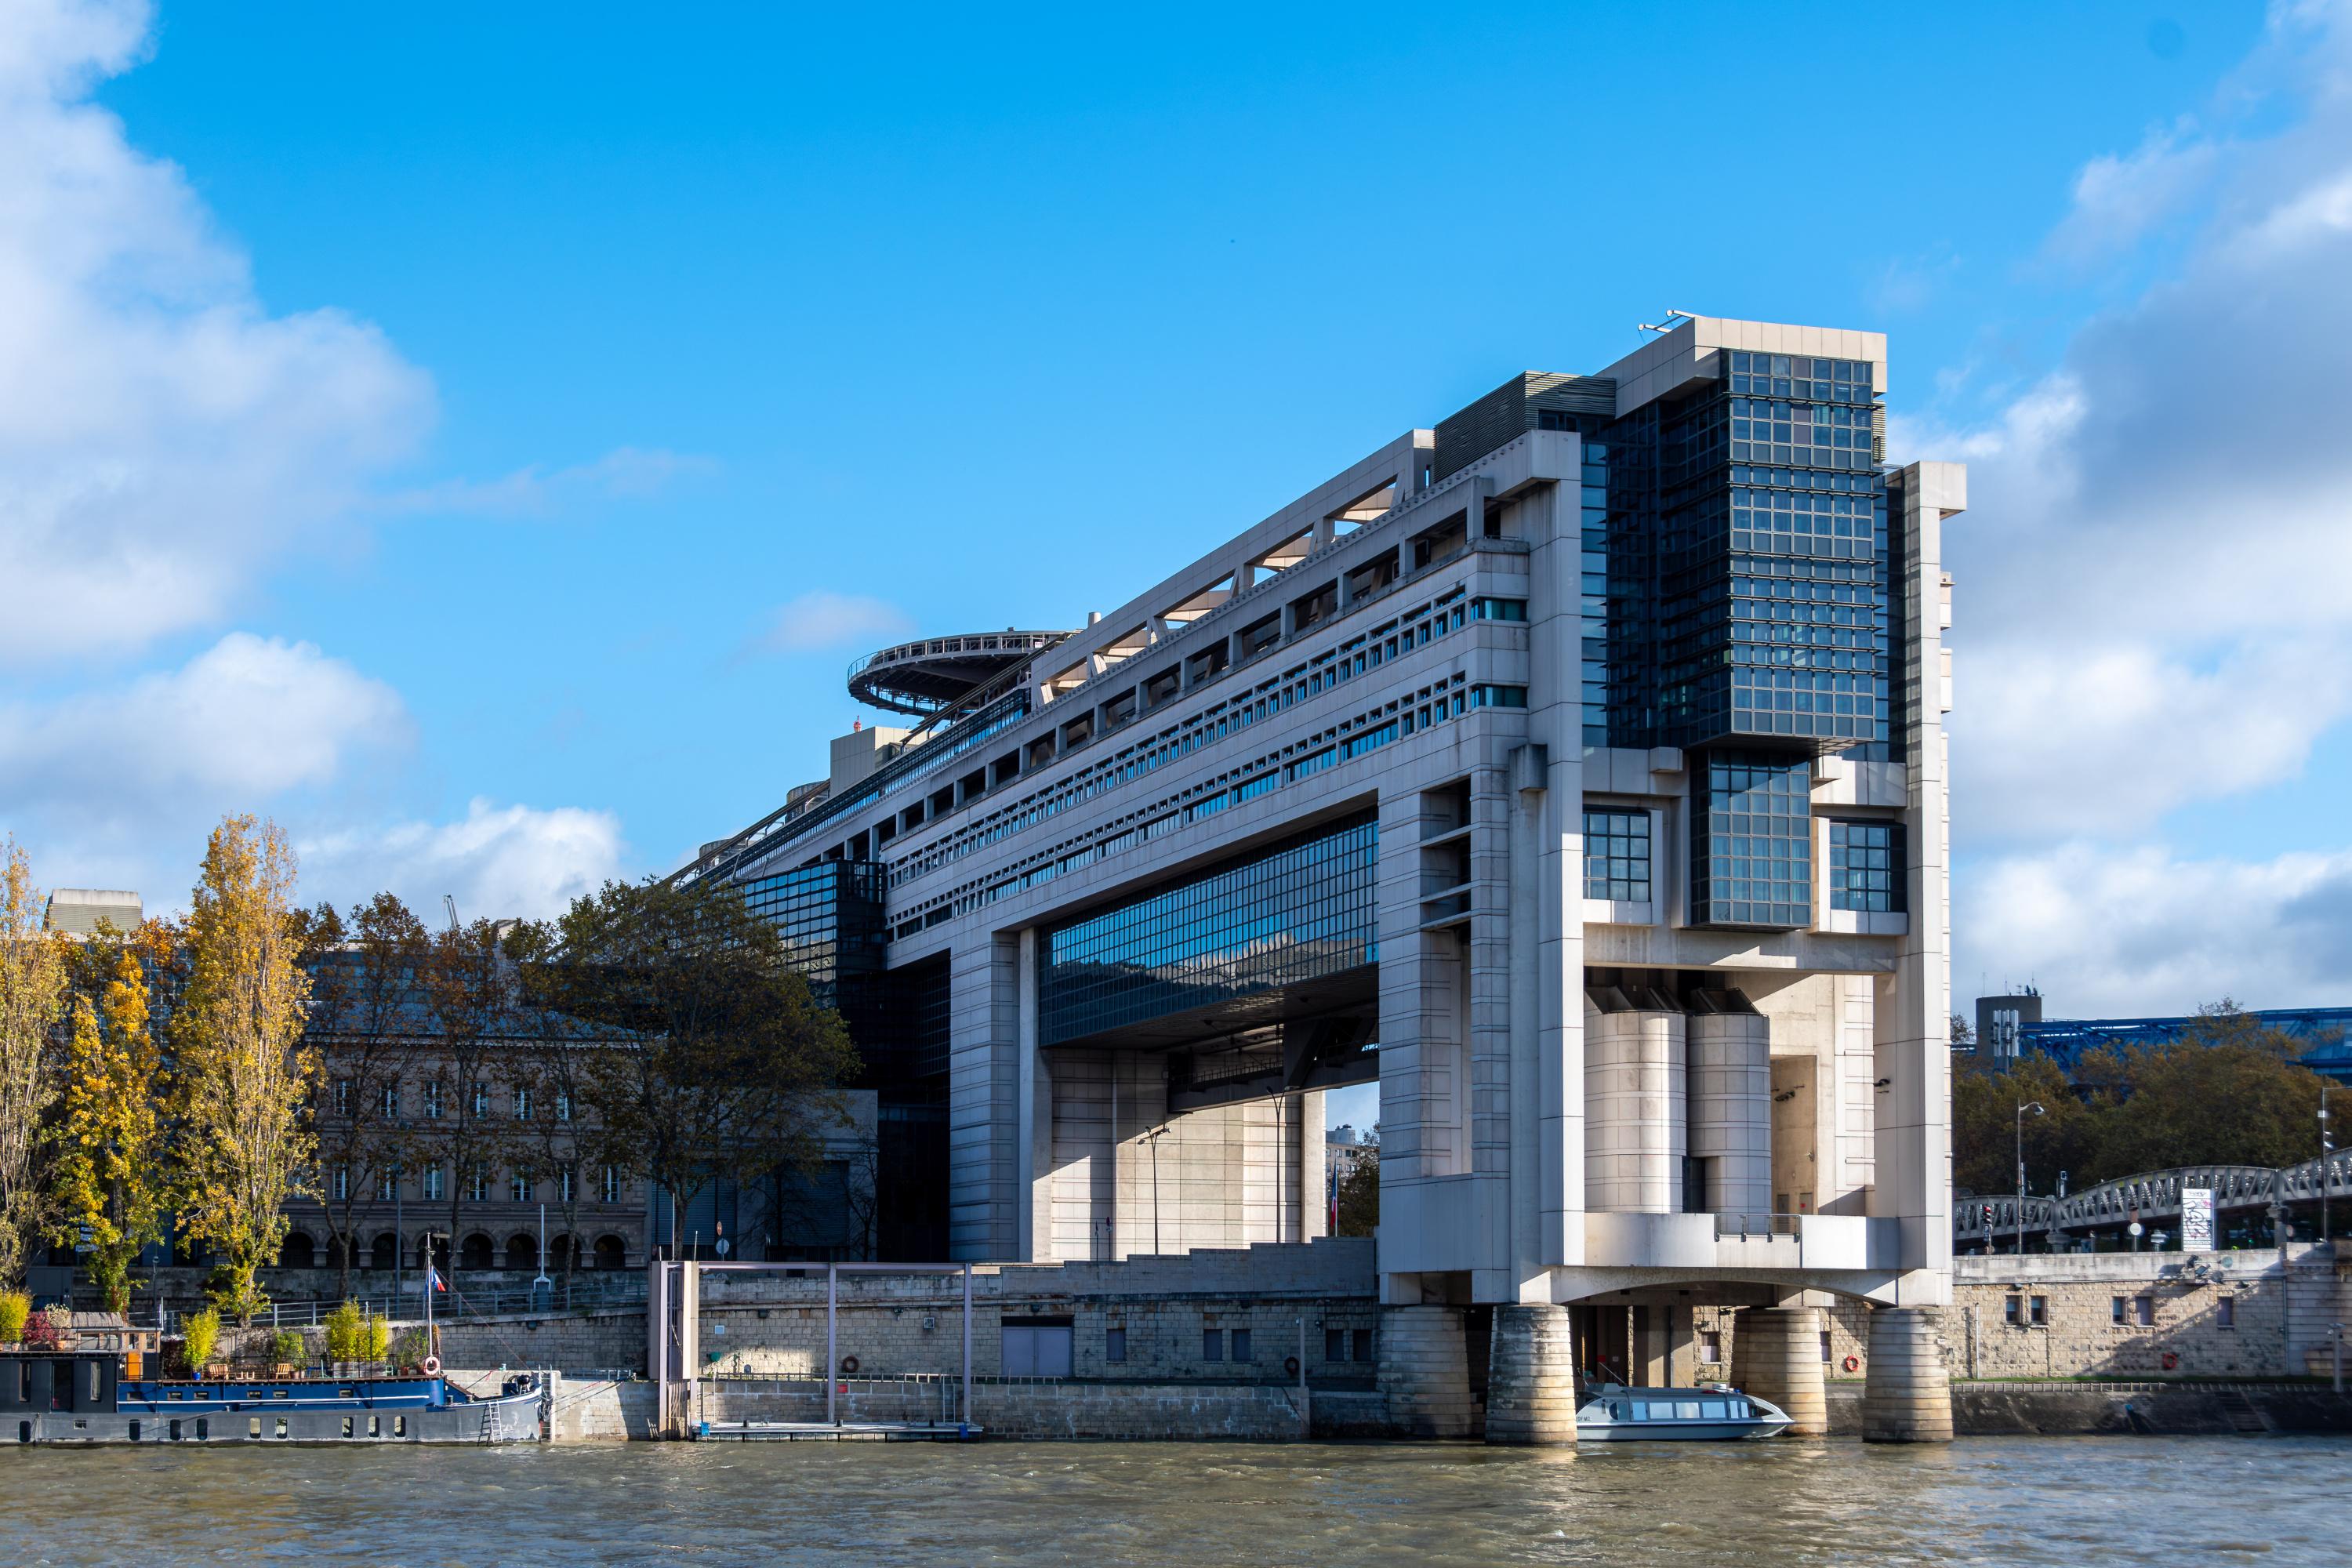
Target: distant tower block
[1635,1117]
[1906,1397]
[1776,1355]
[1531,1376]
[1425,1372]
[1730,1052]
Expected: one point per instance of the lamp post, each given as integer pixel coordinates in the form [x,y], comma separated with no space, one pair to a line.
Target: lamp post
[2023,1106]
[2327,1169]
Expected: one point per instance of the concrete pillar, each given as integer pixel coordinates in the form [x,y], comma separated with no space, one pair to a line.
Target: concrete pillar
[1635,1110]
[1906,1397]
[1776,1355]
[1531,1394]
[1730,1080]
[1425,1372]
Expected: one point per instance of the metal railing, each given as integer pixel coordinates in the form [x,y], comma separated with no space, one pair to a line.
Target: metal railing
[1755,1226]
[616,1292]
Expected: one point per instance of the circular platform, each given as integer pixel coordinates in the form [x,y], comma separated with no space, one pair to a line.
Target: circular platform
[927,675]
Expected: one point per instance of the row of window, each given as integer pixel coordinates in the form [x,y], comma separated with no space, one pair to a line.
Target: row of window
[522,1185]
[2023,1311]
[1235,1344]
[1865,858]
[523,1103]
[1810,376]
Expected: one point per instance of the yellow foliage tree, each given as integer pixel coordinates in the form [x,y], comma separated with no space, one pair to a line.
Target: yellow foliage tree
[32,994]
[109,1179]
[244,1075]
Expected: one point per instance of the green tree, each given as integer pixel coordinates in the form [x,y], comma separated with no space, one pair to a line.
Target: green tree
[1360,1197]
[32,996]
[245,1073]
[368,1003]
[702,1053]
[2224,1023]
[2188,1104]
[1984,1128]
[112,1180]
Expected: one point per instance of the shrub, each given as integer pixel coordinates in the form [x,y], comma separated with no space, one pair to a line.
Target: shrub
[285,1345]
[411,1348]
[376,1340]
[15,1307]
[45,1330]
[344,1331]
[199,1333]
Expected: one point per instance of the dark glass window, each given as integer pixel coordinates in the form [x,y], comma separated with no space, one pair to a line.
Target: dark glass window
[830,917]
[1752,857]
[1617,856]
[1866,867]
[1296,912]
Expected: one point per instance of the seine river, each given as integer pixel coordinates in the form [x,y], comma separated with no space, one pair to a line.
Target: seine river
[2078,1502]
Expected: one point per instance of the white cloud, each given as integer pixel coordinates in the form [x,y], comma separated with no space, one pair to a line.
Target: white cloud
[241,723]
[2150,603]
[162,437]
[497,861]
[2118,199]
[821,619]
[623,473]
[2110,933]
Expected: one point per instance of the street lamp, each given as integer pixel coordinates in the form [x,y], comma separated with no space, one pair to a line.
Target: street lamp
[2023,1106]
[2327,1169]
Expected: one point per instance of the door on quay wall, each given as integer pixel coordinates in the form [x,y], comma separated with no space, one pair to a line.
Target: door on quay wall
[1037,1347]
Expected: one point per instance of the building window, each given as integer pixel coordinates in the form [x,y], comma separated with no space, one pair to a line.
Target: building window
[1498,609]
[1617,856]
[1710,1349]
[342,1183]
[2013,1310]
[481,1099]
[518,1187]
[391,1100]
[522,1103]
[2037,1312]
[563,1105]
[2143,1312]
[610,1190]
[1825,1347]
[342,1097]
[1363,1339]
[432,1183]
[387,1187]
[433,1100]
[2115,1310]
[1752,843]
[1213,1344]
[1241,1344]
[1115,1345]
[1335,1344]
[477,1186]
[564,1182]
[1866,867]
[2225,1312]
[1499,697]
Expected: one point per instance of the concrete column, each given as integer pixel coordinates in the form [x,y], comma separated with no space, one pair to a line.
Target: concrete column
[1776,1355]
[1531,1395]
[1635,1111]
[1906,1397]
[1425,1372]
[1730,1082]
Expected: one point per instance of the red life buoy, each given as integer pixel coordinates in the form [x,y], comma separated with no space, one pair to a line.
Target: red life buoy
[432,1367]
[1854,1364]
[2172,1360]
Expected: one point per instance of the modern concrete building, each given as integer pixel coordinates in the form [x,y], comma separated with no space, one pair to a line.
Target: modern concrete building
[1575,768]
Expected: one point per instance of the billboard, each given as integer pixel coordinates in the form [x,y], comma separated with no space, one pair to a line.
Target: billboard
[2196,1219]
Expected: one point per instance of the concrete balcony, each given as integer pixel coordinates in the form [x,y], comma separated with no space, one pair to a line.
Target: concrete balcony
[1740,1243]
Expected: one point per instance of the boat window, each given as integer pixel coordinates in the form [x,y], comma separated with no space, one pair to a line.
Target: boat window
[281,1426]
[253,1426]
[1713,1409]
[376,1426]
[1616,1410]
[204,1428]
[134,1431]
[345,1393]
[1686,1410]
[1740,1411]
[400,1425]
[1641,1412]
[277,1393]
[347,1426]
[176,1429]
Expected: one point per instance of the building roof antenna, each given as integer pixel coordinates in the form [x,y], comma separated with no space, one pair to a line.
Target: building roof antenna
[1667,323]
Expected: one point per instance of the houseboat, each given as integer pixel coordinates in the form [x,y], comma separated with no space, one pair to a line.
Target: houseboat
[1711,1412]
[80,1396]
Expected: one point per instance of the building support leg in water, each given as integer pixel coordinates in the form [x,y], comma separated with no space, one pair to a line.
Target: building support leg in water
[1425,1372]
[1776,1355]
[1531,1377]
[1906,1397]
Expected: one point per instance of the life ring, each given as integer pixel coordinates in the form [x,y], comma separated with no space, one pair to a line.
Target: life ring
[431,1366]
[2172,1360]
[1853,1364]
[1290,1366]
[848,1367]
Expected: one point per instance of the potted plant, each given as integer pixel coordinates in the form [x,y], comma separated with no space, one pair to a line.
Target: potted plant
[199,1334]
[285,1344]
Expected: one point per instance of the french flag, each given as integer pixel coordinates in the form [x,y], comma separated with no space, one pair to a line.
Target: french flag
[433,1279]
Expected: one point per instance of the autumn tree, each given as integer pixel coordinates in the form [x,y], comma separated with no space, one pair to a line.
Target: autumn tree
[1359,1198]
[369,1003]
[32,992]
[2191,1105]
[112,1184]
[245,1071]
[704,1054]
[1985,1127]
[559,1140]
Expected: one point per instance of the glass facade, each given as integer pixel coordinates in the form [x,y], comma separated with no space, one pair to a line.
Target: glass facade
[1751,842]
[1617,856]
[1866,867]
[1296,912]
[830,917]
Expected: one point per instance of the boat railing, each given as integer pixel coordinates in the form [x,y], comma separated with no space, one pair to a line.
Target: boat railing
[621,1292]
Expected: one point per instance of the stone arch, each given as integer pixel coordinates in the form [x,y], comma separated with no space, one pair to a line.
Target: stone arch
[478,1252]
[384,1252]
[298,1250]
[522,1250]
[564,1252]
[612,1252]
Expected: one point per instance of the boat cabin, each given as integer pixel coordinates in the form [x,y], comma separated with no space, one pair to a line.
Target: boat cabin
[42,1381]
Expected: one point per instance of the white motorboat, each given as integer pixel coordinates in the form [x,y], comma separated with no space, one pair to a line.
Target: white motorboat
[1711,1412]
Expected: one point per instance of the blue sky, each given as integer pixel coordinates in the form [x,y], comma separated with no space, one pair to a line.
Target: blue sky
[480,436]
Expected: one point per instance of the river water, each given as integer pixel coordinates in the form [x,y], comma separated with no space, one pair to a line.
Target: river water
[2077,1501]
